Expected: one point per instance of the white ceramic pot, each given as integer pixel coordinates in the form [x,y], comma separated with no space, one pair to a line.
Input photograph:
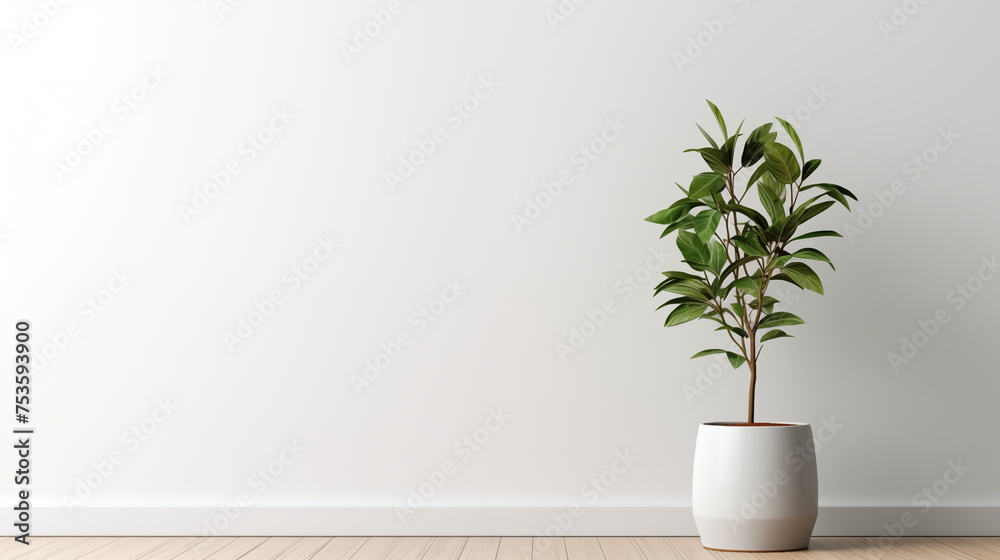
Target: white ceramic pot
[755,487]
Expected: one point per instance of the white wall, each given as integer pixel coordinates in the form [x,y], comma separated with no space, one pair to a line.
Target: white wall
[214,80]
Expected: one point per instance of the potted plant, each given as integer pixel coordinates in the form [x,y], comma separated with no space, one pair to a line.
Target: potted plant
[754,488]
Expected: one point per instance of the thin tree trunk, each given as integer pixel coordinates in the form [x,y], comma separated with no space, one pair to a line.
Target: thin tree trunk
[752,363]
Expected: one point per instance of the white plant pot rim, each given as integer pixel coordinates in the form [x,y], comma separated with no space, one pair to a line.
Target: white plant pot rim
[742,424]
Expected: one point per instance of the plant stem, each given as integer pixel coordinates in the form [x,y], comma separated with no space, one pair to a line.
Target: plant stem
[752,362]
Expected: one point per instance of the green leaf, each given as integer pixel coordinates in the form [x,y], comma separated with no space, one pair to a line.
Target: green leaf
[687,222]
[691,288]
[808,168]
[737,308]
[831,186]
[678,300]
[785,278]
[772,197]
[717,257]
[781,163]
[729,148]
[732,267]
[812,254]
[749,285]
[736,330]
[692,248]
[749,245]
[779,261]
[836,192]
[776,188]
[681,275]
[794,136]
[666,216]
[718,118]
[803,276]
[753,149]
[754,215]
[704,353]
[707,137]
[706,184]
[803,214]
[820,233]
[735,359]
[776,333]
[713,157]
[705,224]
[685,312]
[768,304]
[757,173]
[779,319]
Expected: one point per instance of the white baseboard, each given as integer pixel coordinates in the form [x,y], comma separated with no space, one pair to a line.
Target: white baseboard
[483,521]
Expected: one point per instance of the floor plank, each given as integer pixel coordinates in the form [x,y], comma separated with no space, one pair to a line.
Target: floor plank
[690,548]
[115,547]
[199,551]
[620,547]
[40,547]
[304,549]
[514,548]
[238,548]
[976,546]
[126,547]
[375,548]
[340,548]
[97,547]
[9,544]
[273,547]
[445,548]
[821,549]
[658,548]
[919,548]
[480,548]
[548,548]
[411,548]
[584,548]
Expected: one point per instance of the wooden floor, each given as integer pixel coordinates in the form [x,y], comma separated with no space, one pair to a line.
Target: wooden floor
[478,548]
